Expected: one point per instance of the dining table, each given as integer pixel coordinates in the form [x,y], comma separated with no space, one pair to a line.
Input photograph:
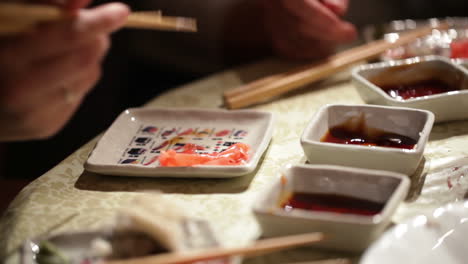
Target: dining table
[68,198]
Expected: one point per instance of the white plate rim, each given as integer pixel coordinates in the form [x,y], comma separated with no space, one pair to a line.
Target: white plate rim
[184,172]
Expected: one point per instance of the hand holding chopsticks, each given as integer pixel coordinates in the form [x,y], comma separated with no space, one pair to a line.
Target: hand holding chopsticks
[260,247]
[275,85]
[15,18]
[48,71]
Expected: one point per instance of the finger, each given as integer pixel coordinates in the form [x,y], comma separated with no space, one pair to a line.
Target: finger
[306,9]
[283,40]
[276,20]
[314,28]
[80,87]
[55,38]
[72,93]
[42,123]
[68,92]
[339,7]
[48,117]
[69,5]
[56,114]
[48,2]
[54,72]
[73,5]
[311,50]
[66,68]
[320,22]
[291,43]
[9,62]
[331,26]
[297,47]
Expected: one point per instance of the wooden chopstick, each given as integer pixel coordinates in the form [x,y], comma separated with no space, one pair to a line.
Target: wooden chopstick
[155,20]
[326,261]
[16,18]
[260,247]
[274,85]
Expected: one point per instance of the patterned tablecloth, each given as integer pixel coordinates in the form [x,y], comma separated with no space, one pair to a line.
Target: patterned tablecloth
[68,198]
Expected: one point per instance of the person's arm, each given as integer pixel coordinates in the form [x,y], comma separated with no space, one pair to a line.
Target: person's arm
[233,31]
[45,73]
[299,29]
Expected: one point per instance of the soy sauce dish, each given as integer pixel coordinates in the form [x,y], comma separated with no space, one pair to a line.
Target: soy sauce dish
[368,136]
[431,83]
[351,206]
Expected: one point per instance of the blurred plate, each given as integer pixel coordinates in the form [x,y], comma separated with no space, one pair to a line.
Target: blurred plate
[73,247]
[438,237]
[438,43]
[132,144]
[91,247]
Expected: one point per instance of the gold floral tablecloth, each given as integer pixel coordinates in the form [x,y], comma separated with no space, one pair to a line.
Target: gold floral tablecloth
[67,198]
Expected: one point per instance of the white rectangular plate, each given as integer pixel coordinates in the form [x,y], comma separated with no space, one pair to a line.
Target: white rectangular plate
[131,145]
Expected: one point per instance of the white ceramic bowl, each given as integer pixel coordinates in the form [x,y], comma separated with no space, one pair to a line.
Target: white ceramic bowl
[343,231]
[445,106]
[416,124]
[433,238]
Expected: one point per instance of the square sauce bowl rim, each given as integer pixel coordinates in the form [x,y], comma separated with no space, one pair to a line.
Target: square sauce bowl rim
[420,144]
[390,204]
[356,75]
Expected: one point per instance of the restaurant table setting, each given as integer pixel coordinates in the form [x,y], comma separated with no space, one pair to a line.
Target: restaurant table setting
[365,162]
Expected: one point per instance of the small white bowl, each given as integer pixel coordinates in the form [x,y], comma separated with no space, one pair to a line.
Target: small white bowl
[343,231]
[445,106]
[416,124]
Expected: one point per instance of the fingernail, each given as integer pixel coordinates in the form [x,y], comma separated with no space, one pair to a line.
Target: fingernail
[118,10]
[335,2]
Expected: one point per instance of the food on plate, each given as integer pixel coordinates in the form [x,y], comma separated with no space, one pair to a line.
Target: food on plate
[236,154]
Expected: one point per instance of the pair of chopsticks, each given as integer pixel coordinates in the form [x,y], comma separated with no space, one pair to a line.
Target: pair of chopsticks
[16,18]
[260,247]
[271,86]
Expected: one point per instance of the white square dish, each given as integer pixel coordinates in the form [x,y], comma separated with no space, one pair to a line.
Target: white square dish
[132,144]
[412,123]
[343,230]
[369,80]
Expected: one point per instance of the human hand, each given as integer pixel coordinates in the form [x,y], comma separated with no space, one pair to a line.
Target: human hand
[307,29]
[45,73]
